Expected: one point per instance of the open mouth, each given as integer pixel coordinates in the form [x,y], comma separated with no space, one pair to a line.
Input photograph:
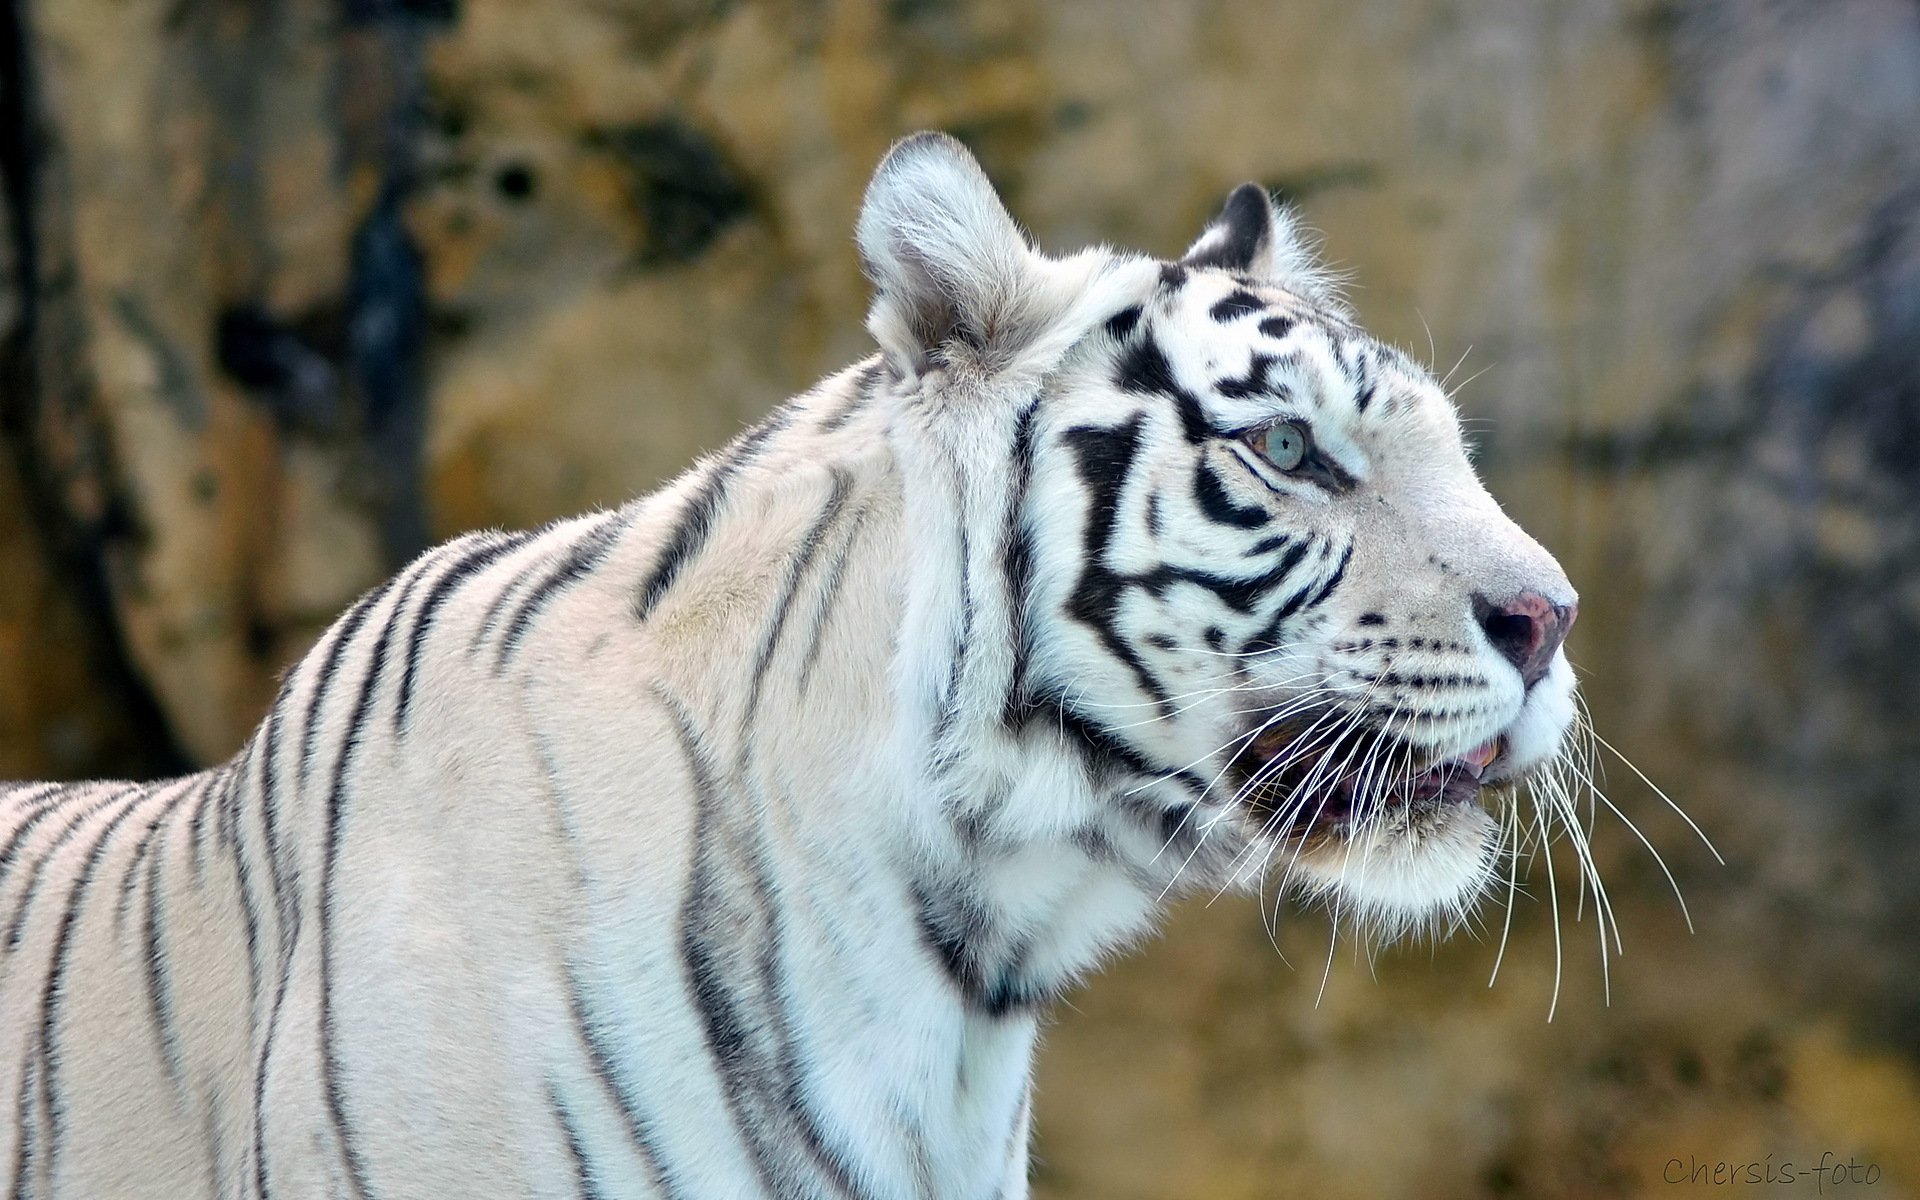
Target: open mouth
[1306,784]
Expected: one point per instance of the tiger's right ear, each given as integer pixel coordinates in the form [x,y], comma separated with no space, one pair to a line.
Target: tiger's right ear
[954,278]
[1253,237]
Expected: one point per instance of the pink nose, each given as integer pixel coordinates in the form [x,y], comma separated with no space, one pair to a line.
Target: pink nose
[1526,630]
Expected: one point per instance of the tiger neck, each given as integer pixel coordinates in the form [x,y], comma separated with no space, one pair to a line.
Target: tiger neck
[1027,859]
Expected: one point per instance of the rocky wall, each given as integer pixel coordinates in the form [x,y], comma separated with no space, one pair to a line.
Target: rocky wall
[291,287]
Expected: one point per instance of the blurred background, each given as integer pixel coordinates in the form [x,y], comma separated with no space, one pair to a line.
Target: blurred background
[291,288]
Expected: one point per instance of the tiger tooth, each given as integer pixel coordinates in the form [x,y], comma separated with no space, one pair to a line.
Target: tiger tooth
[1485,754]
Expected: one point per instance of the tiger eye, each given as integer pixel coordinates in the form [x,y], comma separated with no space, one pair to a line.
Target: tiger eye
[1285,445]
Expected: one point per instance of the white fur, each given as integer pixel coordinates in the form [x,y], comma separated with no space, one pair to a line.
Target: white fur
[733,842]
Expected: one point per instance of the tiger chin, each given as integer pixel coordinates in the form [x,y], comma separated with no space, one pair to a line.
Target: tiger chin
[733,842]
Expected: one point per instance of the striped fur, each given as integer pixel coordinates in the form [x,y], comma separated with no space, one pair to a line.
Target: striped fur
[732,843]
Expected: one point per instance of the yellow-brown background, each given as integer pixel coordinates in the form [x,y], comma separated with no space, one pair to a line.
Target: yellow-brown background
[289,285]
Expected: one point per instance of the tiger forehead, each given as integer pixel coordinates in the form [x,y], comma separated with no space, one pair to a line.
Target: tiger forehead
[1237,339]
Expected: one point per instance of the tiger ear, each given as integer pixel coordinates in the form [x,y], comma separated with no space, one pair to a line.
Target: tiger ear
[953,275]
[1253,237]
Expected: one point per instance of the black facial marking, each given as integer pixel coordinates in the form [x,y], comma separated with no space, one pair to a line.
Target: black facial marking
[1277,327]
[1173,277]
[1211,495]
[1363,390]
[1253,383]
[1106,458]
[1372,619]
[1237,304]
[1106,747]
[1144,369]
[1018,562]
[1120,324]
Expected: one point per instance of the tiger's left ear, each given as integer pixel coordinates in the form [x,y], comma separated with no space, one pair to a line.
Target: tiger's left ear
[954,277]
[1254,238]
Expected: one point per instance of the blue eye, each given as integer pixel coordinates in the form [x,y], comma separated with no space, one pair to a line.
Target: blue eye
[1285,444]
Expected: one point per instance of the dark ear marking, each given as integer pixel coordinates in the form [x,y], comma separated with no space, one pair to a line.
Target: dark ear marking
[1240,236]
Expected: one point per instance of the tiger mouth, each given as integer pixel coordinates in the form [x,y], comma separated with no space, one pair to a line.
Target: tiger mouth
[1303,787]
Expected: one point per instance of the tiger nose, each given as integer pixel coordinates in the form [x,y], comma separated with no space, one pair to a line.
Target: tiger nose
[1526,630]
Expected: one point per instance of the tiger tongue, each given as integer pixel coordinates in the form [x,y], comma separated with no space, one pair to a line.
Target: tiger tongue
[1478,758]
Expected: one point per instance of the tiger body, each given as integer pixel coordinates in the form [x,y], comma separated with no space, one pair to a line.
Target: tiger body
[733,842]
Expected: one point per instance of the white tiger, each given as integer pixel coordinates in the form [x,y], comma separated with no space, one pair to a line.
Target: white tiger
[732,843]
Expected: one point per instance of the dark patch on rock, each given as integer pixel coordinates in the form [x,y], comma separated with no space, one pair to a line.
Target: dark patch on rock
[369,12]
[686,189]
[286,369]
[516,182]
[386,330]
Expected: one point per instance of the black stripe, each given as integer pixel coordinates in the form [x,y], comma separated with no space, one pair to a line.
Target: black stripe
[77,817]
[260,1171]
[1211,495]
[755,1057]
[713,930]
[1256,382]
[1240,594]
[506,593]
[1277,327]
[25,1152]
[809,546]
[640,1130]
[246,887]
[989,976]
[588,554]
[1144,370]
[860,395]
[159,986]
[131,875]
[1326,589]
[437,595]
[1106,746]
[696,521]
[350,740]
[1363,382]
[583,1173]
[282,875]
[1120,324]
[347,628]
[42,806]
[1237,303]
[1106,458]
[1268,638]
[197,835]
[54,991]
[941,752]
[1016,558]
[823,609]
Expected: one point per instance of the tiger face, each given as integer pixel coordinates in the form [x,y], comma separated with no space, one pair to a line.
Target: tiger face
[1258,569]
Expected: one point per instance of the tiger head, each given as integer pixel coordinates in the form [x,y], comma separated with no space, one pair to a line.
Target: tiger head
[1255,569]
